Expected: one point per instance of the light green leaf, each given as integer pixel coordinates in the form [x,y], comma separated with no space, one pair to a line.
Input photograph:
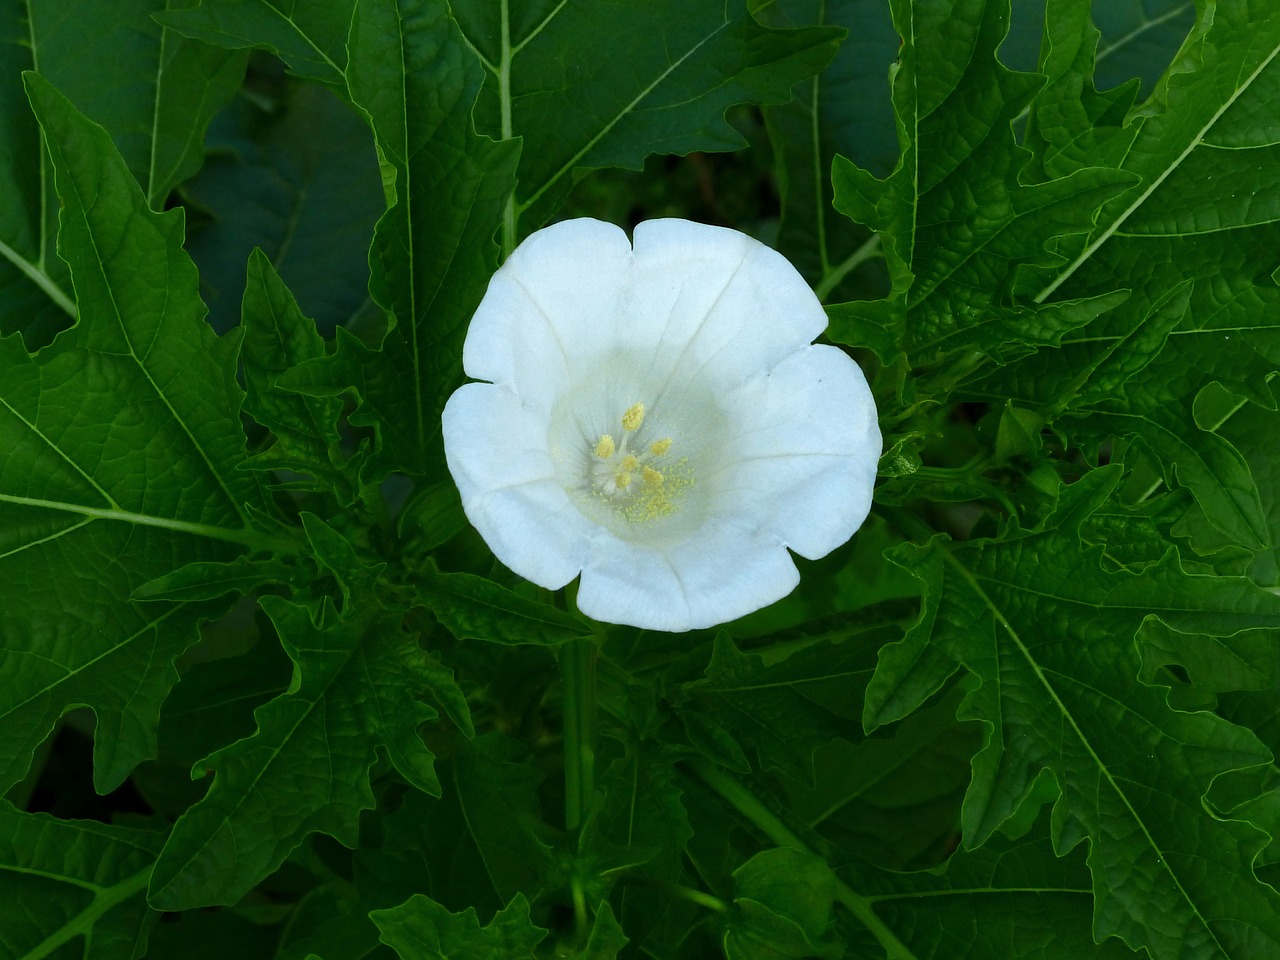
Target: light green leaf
[421,929]
[121,445]
[554,78]
[73,885]
[1050,635]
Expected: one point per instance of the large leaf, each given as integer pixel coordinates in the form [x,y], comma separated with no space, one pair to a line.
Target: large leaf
[1195,213]
[412,75]
[1052,637]
[121,446]
[422,928]
[73,886]
[292,169]
[844,111]
[310,37]
[553,77]
[959,222]
[154,92]
[356,687]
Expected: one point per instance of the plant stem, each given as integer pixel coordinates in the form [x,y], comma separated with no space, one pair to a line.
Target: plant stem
[578,681]
[768,823]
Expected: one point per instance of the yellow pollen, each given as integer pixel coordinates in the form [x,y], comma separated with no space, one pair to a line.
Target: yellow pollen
[605,448]
[629,462]
[634,416]
[652,478]
[623,479]
[659,447]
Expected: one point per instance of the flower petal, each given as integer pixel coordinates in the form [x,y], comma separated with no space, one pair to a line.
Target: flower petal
[805,453]
[496,450]
[712,303]
[728,570]
[555,298]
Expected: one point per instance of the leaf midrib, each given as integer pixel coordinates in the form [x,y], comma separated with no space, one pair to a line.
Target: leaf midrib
[971,580]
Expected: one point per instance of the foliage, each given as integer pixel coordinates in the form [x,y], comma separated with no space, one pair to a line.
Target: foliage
[266,694]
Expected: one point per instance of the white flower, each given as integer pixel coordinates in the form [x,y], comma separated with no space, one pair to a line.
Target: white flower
[658,420]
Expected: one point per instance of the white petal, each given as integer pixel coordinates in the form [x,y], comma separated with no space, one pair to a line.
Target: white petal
[728,570]
[497,452]
[712,303]
[555,298]
[804,452]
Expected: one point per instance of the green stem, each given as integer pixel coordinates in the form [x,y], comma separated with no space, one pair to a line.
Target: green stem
[831,278]
[509,213]
[578,681]
[767,822]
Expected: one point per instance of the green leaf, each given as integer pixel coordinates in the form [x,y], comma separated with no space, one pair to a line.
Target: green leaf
[416,82]
[66,880]
[291,169]
[153,91]
[277,338]
[421,929]
[1050,635]
[578,104]
[499,801]
[1178,223]
[782,908]
[788,709]
[474,608]
[121,440]
[843,111]
[959,223]
[355,688]
[309,37]
[1008,900]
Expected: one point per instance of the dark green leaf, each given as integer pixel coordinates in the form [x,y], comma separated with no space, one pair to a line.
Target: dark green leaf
[121,443]
[421,929]
[578,105]
[472,607]
[66,880]
[1051,636]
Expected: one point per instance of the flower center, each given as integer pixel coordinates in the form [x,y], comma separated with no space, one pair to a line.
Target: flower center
[636,473]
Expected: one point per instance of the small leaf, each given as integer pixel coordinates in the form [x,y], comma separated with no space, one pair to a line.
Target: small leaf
[473,608]
[421,929]
[782,908]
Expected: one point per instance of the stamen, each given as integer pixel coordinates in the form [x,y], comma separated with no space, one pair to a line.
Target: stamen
[629,462]
[605,448]
[652,478]
[623,479]
[659,447]
[634,416]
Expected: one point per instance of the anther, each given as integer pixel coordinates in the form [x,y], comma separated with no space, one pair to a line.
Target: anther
[659,447]
[629,462]
[623,479]
[652,478]
[605,448]
[634,416]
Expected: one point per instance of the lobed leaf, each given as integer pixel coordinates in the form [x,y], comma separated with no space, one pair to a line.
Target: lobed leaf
[1051,637]
[122,441]
[576,105]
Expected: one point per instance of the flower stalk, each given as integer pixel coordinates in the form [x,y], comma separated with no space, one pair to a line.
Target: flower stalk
[578,682]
